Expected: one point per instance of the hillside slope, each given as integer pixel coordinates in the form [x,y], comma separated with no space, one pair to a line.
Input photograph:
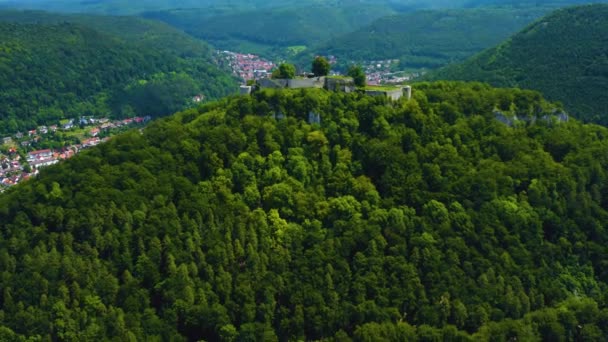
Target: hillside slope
[273,30]
[563,55]
[429,39]
[418,220]
[133,30]
[55,71]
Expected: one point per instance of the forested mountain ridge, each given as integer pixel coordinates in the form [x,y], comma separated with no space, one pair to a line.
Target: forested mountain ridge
[429,39]
[413,220]
[133,30]
[562,55]
[64,70]
[272,31]
[422,34]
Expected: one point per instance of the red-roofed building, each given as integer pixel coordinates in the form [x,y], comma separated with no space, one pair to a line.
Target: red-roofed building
[40,155]
[91,142]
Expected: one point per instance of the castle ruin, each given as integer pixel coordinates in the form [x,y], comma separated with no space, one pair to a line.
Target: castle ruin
[341,84]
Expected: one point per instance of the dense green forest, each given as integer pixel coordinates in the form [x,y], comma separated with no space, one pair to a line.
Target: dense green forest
[428,39]
[282,29]
[356,32]
[272,31]
[307,214]
[53,71]
[133,30]
[563,55]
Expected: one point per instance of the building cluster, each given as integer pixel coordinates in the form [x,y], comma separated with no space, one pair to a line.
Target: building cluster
[246,66]
[252,67]
[11,170]
[382,72]
[14,168]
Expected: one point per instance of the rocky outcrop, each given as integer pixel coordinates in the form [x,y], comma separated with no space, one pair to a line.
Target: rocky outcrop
[510,120]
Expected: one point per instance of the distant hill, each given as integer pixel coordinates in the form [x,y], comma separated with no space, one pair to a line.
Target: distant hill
[563,55]
[428,39]
[50,71]
[134,7]
[520,3]
[131,29]
[272,29]
[105,6]
[122,7]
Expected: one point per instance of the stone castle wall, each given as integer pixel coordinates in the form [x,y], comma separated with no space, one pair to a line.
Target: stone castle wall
[343,84]
[297,83]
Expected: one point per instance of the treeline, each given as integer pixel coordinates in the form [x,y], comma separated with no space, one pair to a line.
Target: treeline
[413,220]
[562,55]
[55,71]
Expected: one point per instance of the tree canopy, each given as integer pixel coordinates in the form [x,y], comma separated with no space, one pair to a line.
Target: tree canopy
[320,66]
[358,75]
[54,71]
[285,70]
[310,215]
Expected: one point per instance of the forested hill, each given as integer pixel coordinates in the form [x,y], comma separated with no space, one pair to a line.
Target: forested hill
[272,31]
[562,55]
[423,220]
[429,39]
[61,70]
[133,30]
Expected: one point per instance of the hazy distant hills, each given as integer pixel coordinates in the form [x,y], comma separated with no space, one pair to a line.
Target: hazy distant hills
[563,55]
[134,7]
[54,67]
[104,6]
[353,30]
[429,39]
[526,3]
